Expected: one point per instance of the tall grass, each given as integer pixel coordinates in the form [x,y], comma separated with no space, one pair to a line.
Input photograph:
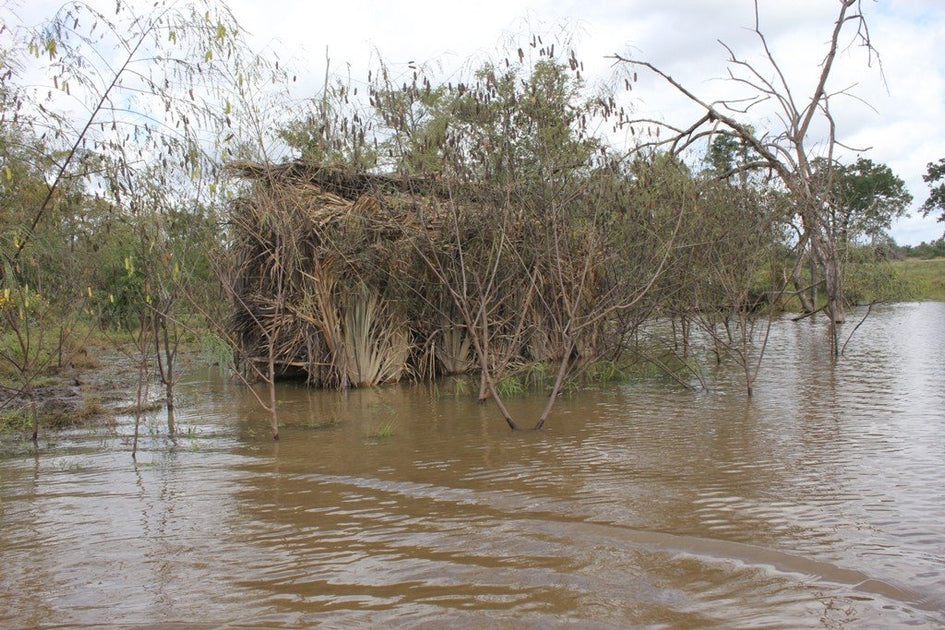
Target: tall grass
[924,278]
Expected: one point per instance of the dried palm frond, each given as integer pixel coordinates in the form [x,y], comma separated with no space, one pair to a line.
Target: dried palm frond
[454,350]
[376,341]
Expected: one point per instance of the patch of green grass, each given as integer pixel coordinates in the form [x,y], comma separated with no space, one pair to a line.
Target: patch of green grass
[48,379]
[15,420]
[537,375]
[510,386]
[605,371]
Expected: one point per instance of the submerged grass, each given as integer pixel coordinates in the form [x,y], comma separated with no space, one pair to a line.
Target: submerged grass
[453,387]
[187,431]
[317,425]
[145,407]
[383,430]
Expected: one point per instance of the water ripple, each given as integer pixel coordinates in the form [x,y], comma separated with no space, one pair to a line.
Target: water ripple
[817,502]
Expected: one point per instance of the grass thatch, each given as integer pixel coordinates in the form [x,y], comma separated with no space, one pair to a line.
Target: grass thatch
[349,277]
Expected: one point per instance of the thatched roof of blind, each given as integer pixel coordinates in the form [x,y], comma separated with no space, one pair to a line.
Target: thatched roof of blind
[343,182]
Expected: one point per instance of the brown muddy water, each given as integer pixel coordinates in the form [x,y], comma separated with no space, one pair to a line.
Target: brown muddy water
[819,503]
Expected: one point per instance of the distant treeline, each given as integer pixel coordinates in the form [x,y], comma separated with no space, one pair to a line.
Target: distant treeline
[933,249]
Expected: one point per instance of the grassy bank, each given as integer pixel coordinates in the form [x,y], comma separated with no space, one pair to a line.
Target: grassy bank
[925,278]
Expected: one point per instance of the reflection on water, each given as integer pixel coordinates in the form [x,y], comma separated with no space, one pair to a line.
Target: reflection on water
[820,502]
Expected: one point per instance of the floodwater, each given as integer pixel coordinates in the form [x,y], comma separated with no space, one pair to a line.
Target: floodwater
[819,503]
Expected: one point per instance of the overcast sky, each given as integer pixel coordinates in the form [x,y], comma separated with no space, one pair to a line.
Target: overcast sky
[903,126]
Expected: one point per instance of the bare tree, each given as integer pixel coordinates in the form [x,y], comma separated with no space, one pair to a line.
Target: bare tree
[788,150]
